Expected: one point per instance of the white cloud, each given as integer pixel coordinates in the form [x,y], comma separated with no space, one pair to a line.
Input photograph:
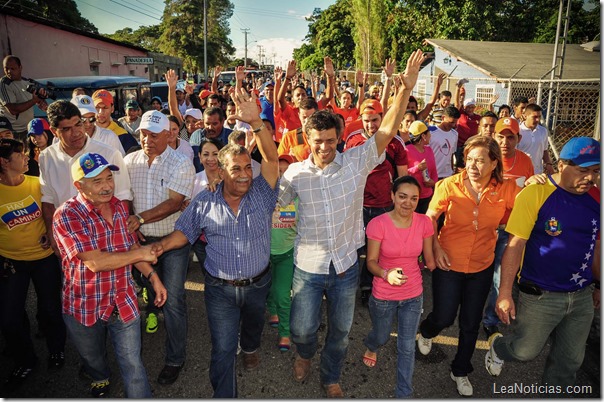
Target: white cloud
[276,50]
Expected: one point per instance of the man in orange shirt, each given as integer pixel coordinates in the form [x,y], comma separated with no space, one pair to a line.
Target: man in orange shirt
[516,165]
[294,141]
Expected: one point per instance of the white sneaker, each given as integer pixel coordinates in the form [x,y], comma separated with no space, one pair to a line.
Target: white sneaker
[464,387]
[424,344]
[492,362]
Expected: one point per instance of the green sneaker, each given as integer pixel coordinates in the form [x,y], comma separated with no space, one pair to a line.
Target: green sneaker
[145,296]
[151,327]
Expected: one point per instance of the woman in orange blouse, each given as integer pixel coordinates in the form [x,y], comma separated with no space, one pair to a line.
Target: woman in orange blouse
[473,201]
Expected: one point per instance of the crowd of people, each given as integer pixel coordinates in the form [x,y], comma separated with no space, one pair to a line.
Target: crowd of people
[293,194]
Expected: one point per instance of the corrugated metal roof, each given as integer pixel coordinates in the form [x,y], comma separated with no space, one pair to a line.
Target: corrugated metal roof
[503,59]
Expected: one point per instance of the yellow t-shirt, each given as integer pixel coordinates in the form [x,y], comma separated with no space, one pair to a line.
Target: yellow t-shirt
[22,224]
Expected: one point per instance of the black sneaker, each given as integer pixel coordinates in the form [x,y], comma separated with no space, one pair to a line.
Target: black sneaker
[56,361]
[169,374]
[490,330]
[100,389]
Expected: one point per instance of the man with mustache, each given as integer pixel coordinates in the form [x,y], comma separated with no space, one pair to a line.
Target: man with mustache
[555,238]
[98,292]
[236,220]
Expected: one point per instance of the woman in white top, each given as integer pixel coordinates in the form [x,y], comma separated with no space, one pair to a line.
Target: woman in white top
[176,143]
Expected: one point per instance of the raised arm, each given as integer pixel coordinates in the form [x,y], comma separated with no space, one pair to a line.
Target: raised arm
[331,80]
[278,84]
[394,116]
[361,79]
[239,76]
[423,115]
[217,71]
[247,111]
[171,80]
[289,74]
[389,66]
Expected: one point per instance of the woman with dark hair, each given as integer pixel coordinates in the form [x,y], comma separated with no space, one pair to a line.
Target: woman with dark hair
[395,241]
[474,202]
[504,111]
[39,137]
[26,255]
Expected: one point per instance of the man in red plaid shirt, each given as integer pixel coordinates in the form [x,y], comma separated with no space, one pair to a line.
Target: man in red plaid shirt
[98,291]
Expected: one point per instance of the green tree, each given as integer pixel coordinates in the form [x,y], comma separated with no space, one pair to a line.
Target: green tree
[62,11]
[369,17]
[145,36]
[182,32]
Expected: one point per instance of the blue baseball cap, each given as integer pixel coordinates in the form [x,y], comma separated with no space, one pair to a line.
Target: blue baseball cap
[582,151]
[37,126]
[90,165]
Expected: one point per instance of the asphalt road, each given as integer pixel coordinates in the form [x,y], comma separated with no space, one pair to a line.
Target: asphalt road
[273,378]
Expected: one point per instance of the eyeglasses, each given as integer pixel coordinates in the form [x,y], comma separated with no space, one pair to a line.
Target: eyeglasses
[88,119]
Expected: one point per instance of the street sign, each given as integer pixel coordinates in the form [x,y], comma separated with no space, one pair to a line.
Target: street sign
[138,60]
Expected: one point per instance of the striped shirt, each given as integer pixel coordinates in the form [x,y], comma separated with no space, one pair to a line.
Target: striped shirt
[151,185]
[87,296]
[330,225]
[238,245]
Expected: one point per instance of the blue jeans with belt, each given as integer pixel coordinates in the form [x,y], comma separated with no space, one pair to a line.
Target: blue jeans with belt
[231,310]
[407,312]
[172,267]
[566,317]
[308,290]
[453,291]
[126,339]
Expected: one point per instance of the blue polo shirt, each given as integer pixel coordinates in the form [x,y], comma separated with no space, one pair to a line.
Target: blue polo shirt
[239,246]
[561,230]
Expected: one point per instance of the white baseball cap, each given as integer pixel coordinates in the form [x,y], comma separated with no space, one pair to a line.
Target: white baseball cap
[469,102]
[154,121]
[84,103]
[194,113]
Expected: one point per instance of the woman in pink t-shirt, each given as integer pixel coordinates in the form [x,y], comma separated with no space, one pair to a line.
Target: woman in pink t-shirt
[395,241]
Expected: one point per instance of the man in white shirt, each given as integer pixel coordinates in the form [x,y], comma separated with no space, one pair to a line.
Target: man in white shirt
[444,142]
[161,180]
[104,135]
[66,124]
[534,140]
[330,188]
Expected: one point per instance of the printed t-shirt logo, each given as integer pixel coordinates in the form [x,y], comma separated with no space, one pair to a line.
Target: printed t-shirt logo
[20,212]
[553,227]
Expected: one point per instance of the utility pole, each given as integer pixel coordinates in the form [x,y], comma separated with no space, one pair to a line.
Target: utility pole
[260,55]
[245,32]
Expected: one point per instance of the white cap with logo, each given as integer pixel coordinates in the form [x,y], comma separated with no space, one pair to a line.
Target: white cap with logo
[154,121]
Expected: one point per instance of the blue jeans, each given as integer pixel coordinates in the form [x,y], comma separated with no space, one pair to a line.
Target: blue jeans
[490,317]
[382,314]
[232,310]
[308,290]
[453,291]
[126,339]
[45,274]
[172,268]
[566,317]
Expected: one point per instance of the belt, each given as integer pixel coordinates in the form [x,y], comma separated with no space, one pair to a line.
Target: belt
[240,282]
[532,289]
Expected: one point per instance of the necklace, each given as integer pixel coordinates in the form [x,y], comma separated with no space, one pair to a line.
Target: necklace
[513,163]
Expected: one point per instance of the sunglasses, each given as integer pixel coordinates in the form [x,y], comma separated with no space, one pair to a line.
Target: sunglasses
[88,119]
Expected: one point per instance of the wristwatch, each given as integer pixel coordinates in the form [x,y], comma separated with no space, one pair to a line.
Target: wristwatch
[140,219]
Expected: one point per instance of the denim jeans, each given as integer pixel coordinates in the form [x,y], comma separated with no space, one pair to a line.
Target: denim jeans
[199,248]
[46,277]
[279,299]
[453,291]
[366,281]
[172,268]
[407,312]
[490,317]
[233,310]
[126,339]
[308,290]
[566,317]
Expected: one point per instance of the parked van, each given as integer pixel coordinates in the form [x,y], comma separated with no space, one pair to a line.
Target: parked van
[123,88]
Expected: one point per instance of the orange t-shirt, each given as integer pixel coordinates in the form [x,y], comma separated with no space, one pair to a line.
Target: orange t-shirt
[289,146]
[468,235]
[291,117]
[349,115]
[518,168]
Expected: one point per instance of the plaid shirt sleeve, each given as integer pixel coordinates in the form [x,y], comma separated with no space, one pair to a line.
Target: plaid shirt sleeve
[70,233]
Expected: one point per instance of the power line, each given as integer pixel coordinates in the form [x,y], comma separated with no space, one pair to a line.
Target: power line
[150,8]
[109,12]
[134,9]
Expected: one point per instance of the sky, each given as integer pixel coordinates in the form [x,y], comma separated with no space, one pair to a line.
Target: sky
[278,29]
